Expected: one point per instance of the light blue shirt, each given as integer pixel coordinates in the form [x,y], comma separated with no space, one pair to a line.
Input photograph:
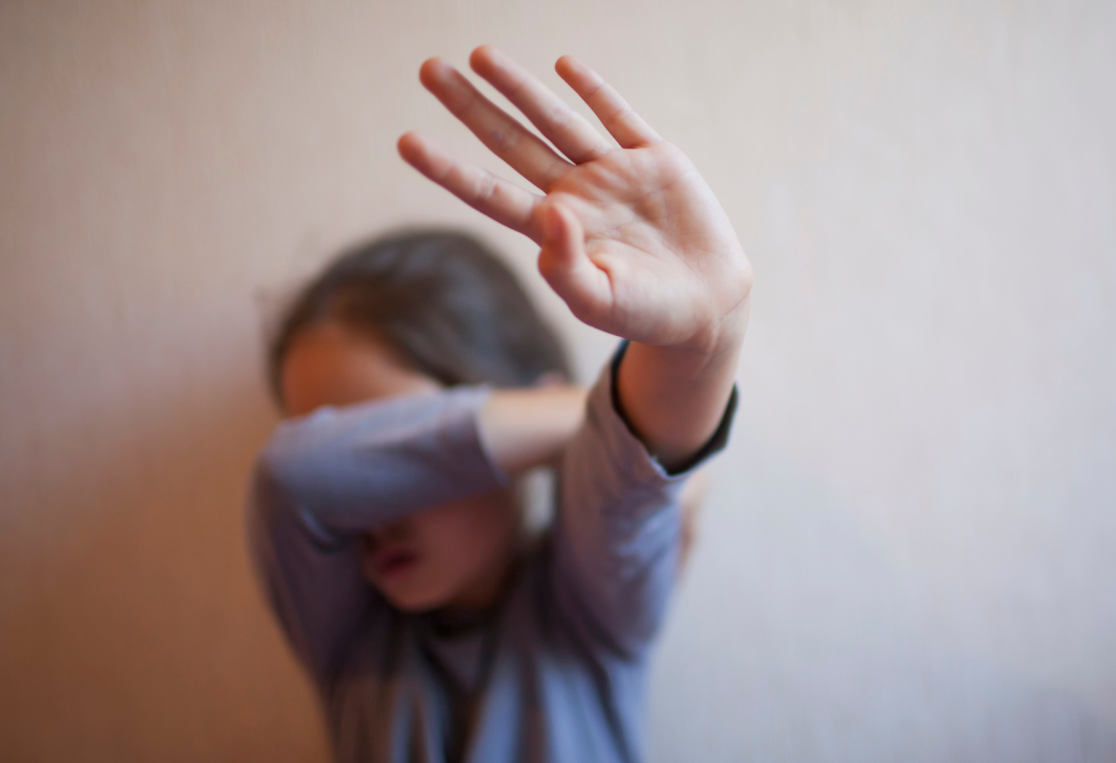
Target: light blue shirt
[563,661]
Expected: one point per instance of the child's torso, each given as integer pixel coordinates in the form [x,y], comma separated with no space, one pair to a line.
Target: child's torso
[523,686]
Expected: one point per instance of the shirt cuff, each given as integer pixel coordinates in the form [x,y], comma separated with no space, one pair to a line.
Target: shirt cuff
[605,402]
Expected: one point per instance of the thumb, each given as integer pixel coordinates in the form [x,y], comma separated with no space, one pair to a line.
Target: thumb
[565,265]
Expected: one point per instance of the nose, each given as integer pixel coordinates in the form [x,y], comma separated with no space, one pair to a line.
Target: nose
[390,532]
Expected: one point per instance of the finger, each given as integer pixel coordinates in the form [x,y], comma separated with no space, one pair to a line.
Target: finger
[563,126]
[566,266]
[614,112]
[507,138]
[504,202]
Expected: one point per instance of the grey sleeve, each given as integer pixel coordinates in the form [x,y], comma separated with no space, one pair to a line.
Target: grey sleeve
[618,526]
[324,479]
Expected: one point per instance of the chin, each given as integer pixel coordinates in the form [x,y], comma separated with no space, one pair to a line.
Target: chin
[415,606]
[414,601]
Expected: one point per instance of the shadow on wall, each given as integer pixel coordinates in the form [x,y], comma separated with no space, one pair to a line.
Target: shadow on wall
[827,649]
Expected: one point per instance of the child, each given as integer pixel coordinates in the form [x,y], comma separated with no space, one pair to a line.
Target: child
[382,515]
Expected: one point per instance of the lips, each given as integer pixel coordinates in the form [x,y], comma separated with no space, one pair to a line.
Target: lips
[392,561]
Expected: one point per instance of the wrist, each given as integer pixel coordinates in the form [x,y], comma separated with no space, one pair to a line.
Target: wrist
[711,352]
[524,428]
[685,366]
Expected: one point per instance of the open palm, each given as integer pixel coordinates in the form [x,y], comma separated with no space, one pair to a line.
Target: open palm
[631,238]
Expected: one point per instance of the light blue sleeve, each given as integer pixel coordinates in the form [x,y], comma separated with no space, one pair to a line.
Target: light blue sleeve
[618,526]
[324,479]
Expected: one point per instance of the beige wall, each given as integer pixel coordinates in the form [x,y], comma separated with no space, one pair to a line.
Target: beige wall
[909,554]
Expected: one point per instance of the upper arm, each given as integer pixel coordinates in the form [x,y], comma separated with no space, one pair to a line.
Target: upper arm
[314,583]
[618,528]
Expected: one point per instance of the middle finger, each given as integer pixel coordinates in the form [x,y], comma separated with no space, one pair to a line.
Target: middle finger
[565,128]
[506,137]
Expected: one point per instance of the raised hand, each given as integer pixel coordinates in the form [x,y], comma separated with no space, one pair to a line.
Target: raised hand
[631,238]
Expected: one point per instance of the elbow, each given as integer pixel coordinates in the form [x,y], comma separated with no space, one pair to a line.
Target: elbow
[284,496]
[267,489]
[279,466]
[275,482]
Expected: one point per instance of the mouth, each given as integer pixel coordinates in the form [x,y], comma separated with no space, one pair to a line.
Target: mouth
[393,561]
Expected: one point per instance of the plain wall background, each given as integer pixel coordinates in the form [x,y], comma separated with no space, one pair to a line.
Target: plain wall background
[909,553]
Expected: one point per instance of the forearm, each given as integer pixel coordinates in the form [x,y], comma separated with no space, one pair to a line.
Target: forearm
[355,467]
[524,428]
[674,399]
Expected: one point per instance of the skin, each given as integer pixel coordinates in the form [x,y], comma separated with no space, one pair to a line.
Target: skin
[630,236]
[458,555]
[634,241]
[462,552]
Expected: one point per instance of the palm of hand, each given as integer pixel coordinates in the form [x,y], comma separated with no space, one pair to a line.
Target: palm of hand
[667,266]
[632,238]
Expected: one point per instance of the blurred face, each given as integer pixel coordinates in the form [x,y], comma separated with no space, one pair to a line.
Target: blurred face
[453,555]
